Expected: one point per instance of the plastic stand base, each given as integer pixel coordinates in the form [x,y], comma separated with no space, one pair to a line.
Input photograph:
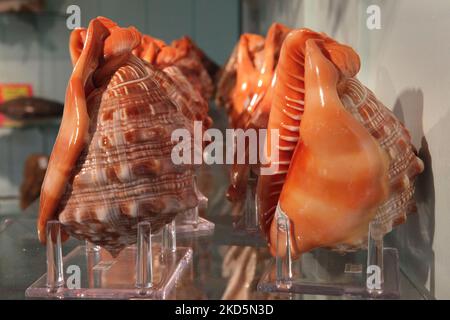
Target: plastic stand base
[371,273]
[190,224]
[104,277]
[324,272]
[143,271]
[248,224]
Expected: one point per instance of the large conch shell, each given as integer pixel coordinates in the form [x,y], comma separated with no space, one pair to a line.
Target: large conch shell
[344,159]
[111,164]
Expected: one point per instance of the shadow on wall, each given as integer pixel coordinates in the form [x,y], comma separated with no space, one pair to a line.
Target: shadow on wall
[414,239]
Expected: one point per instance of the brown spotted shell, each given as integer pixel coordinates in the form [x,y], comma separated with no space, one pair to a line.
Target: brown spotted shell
[125,173]
[395,139]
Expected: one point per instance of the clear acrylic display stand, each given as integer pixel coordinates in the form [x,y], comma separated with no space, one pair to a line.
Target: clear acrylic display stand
[248,224]
[371,273]
[147,270]
[190,223]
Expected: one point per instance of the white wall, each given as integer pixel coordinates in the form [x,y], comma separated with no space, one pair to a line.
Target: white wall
[407,65]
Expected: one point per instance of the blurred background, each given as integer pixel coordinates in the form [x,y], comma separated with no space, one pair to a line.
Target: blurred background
[405,62]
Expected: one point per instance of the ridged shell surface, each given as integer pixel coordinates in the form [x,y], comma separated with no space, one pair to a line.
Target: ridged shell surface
[125,173]
[394,138]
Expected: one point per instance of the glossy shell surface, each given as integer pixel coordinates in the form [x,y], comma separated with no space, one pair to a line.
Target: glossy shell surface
[111,165]
[345,159]
[125,173]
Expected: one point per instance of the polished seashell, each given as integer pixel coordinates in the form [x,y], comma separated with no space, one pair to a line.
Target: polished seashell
[111,165]
[349,162]
[195,65]
[255,113]
[182,53]
[189,67]
[125,174]
[287,107]
[238,78]
[254,72]
[395,140]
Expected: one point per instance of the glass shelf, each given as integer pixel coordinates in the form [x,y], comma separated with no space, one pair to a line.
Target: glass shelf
[147,270]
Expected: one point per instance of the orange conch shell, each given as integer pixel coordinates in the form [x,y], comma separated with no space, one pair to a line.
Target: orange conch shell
[238,79]
[255,112]
[111,164]
[348,162]
[186,64]
[198,68]
[288,104]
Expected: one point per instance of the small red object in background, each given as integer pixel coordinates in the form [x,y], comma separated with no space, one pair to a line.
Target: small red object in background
[9,91]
